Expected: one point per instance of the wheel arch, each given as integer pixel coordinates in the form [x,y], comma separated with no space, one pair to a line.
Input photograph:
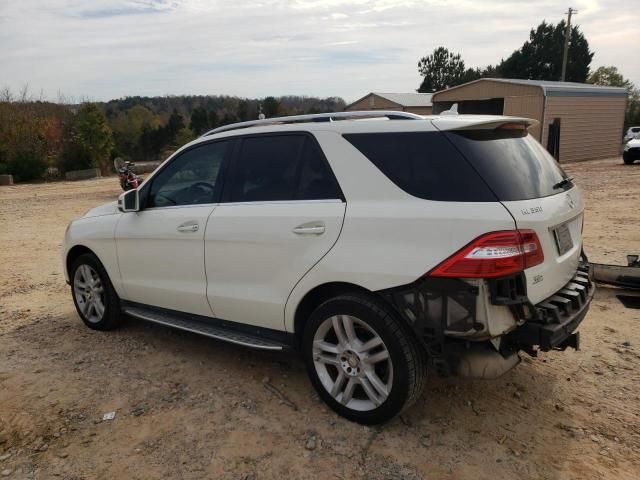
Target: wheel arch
[73,254]
[316,296]
[110,266]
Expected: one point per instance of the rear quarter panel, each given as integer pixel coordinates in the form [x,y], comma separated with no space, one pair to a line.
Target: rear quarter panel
[389,237]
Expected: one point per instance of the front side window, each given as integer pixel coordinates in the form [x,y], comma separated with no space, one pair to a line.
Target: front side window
[191,178]
[280,168]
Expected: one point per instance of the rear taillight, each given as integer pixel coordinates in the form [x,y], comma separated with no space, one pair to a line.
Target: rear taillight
[494,254]
[533,254]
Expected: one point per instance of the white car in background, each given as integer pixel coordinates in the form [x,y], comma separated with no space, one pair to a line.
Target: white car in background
[631,150]
[632,132]
[378,249]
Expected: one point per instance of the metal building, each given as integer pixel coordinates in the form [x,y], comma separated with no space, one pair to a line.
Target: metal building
[419,103]
[578,121]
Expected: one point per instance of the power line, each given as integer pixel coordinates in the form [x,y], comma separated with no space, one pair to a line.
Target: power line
[567,36]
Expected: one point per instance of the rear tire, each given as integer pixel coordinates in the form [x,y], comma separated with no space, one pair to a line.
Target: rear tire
[363,362]
[93,295]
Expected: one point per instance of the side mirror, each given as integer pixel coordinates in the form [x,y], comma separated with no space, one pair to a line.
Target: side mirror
[129,201]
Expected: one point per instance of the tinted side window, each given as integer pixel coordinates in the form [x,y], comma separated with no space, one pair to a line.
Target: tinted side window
[423,164]
[316,181]
[280,167]
[191,178]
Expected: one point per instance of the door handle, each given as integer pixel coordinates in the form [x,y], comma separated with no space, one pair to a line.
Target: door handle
[188,227]
[313,228]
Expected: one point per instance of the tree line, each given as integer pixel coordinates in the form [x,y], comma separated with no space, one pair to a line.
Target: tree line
[37,136]
[539,58]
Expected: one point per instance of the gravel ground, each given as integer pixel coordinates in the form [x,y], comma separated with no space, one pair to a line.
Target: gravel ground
[189,407]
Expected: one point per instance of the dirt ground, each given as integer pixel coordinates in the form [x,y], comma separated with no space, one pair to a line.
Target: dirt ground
[190,407]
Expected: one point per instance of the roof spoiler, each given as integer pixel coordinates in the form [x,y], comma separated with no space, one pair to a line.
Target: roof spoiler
[463,122]
[452,111]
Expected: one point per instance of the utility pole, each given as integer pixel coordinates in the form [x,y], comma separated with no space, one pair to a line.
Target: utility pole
[567,36]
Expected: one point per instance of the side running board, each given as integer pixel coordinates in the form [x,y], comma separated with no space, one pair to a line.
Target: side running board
[210,327]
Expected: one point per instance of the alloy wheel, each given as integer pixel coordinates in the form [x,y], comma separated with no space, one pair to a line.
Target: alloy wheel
[352,362]
[89,293]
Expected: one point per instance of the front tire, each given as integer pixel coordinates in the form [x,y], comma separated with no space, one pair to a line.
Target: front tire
[93,295]
[361,360]
[628,160]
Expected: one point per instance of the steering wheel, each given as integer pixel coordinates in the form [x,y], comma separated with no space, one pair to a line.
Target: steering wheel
[204,186]
[164,197]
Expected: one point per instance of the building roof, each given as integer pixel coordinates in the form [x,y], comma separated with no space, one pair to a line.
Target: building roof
[559,89]
[403,99]
[408,99]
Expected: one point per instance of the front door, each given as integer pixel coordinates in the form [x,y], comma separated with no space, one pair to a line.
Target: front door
[161,248]
[282,211]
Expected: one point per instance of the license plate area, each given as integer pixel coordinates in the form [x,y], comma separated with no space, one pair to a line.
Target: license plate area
[563,239]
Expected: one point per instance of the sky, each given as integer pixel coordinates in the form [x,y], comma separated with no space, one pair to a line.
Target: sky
[99,50]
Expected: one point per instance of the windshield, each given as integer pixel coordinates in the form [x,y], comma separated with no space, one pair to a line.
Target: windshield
[512,162]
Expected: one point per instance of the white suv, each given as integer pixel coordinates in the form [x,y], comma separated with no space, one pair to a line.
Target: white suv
[632,133]
[376,243]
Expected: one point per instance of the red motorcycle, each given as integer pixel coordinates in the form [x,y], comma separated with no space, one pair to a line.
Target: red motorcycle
[128,179]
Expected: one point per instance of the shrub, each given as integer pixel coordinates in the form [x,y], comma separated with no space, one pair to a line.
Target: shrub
[75,157]
[26,165]
[4,168]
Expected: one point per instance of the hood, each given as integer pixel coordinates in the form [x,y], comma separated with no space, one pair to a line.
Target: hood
[634,142]
[106,209]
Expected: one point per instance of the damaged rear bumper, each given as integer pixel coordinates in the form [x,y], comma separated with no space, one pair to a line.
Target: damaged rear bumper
[444,315]
[555,319]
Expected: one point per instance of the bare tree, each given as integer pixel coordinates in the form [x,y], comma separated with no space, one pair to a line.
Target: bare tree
[6,95]
[24,96]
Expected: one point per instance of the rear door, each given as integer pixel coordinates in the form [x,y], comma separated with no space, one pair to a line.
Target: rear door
[282,211]
[537,193]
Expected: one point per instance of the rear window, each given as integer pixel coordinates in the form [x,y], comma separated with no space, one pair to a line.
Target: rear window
[513,163]
[423,164]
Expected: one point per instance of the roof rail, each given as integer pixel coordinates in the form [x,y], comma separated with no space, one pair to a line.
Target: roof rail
[317,117]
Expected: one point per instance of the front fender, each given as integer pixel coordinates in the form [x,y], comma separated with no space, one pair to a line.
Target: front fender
[98,235]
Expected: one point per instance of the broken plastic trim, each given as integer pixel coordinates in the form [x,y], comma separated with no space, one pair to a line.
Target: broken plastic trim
[554,320]
[432,306]
[438,308]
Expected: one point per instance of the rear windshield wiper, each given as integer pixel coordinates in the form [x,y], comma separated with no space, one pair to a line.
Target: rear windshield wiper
[564,182]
